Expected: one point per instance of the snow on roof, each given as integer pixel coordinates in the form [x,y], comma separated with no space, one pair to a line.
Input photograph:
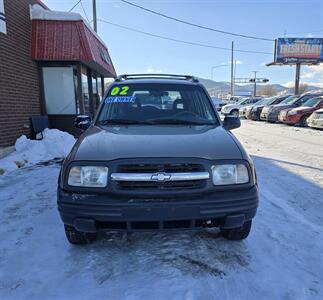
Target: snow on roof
[37,12]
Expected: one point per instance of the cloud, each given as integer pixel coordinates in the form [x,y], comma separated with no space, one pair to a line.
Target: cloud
[238,62]
[312,72]
[151,69]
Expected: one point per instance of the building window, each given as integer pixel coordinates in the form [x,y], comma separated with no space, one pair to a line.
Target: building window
[59,90]
[3,28]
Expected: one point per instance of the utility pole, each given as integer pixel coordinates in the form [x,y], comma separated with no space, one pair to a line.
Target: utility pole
[232,81]
[255,84]
[298,71]
[95,21]
[234,75]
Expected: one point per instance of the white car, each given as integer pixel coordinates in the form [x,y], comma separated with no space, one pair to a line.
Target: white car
[233,109]
[218,103]
[243,111]
[316,119]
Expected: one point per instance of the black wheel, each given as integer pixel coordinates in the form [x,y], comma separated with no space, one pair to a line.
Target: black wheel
[234,113]
[236,234]
[303,122]
[76,237]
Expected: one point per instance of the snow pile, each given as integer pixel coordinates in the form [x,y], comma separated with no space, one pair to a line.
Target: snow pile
[55,144]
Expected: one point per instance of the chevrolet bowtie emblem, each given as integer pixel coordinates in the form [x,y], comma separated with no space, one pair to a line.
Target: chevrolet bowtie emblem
[160,177]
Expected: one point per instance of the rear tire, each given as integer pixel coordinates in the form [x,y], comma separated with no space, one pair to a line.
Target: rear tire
[76,237]
[237,234]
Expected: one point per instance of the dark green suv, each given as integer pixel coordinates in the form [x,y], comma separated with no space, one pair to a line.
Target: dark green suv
[146,163]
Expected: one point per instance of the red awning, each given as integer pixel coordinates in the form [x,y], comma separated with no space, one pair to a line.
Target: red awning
[70,40]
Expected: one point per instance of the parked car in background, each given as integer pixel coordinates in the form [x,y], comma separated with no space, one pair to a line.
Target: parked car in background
[243,111]
[218,103]
[315,120]
[235,99]
[271,113]
[233,109]
[299,115]
[267,108]
[253,113]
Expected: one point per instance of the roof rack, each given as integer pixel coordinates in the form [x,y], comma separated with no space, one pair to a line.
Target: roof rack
[153,76]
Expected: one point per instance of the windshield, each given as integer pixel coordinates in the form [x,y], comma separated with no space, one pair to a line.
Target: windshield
[157,104]
[243,101]
[312,102]
[289,100]
[265,101]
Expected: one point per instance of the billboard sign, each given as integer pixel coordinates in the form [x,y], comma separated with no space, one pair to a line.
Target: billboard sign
[2,18]
[299,50]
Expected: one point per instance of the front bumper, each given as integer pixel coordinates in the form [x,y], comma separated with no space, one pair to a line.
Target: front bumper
[316,123]
[263,116]
[253,115]
[272,117]
[99,212]
[286,119]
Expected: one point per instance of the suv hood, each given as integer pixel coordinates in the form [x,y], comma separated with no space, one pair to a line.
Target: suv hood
[279,107]
[117,142]
[304,109]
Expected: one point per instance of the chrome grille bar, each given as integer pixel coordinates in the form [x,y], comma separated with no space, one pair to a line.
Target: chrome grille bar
[160,177]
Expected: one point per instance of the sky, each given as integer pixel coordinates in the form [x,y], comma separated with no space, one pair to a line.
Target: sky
[133,52]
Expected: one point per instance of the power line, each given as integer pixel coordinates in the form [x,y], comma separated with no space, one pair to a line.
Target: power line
[84,12]
[181,41]
[196,25]
[76,4]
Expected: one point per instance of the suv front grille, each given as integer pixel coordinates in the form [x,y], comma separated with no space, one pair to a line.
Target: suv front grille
[154,168]
[151,185]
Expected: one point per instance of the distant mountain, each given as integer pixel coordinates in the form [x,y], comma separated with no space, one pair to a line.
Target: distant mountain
[219,87]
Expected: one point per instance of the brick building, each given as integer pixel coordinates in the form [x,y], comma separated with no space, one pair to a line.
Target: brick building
[51,63]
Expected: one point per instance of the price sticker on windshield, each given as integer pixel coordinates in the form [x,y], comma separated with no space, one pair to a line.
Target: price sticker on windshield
[119,94]
[119,91]
[122,99]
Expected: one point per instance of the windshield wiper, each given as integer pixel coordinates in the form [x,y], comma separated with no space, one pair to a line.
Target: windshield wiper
[122,121]
[178,121]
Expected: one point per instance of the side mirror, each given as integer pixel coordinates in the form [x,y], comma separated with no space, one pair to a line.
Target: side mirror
[82,122]
[230,122]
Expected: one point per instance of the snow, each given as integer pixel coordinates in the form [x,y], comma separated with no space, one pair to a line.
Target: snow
[281,259]
[55,144]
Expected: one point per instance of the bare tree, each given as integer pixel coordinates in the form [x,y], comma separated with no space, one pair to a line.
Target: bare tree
[267,90]
[303,87]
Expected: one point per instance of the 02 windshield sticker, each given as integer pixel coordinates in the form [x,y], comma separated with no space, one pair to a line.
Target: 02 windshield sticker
[122,99]
[121,91]
[119,95]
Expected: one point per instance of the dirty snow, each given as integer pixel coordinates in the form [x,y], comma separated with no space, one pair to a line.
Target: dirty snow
[55,144]
[281,259]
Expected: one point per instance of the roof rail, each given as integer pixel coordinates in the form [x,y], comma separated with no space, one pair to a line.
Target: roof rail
[150,76]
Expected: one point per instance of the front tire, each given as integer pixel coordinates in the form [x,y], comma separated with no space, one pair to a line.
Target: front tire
[303,122]
[237,234]
[234,113]
[76,237]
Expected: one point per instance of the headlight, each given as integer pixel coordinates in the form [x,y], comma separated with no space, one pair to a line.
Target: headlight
[230,174]
[291,113]
[88,176]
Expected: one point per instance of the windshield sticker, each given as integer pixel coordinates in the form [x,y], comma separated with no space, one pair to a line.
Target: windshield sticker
[119,91]
[129,99]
